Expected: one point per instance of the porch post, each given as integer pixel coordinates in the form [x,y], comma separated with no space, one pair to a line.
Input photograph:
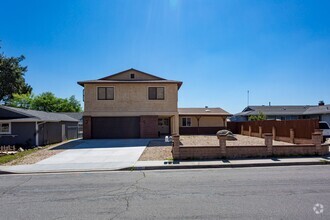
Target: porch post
[175,124]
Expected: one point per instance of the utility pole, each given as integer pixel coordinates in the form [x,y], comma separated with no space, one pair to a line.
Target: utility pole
[248,97]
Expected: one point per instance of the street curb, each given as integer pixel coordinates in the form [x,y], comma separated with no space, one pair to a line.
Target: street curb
[210,166]
[5,172]
[178,167]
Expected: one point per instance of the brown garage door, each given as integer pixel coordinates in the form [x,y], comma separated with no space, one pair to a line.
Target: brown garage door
[115,127]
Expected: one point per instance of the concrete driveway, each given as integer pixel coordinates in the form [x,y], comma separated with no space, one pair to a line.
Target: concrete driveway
[90,155]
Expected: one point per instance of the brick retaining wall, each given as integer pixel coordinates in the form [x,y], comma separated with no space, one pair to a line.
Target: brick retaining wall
[258,151]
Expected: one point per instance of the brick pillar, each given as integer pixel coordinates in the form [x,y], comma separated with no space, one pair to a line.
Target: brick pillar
[223,145]
[87,127]
[242,129]
[176,147]
[292,135]
[269,143]
[317,141]
[260,131]
[274,133]
[250,130]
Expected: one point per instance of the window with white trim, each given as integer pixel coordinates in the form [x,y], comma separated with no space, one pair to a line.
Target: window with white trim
[105,93]
[186,122]
[156,93]
[5,128]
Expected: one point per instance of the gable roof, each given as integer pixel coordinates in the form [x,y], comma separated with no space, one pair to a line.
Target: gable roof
[75,115]
[315,110]
[203,111]
[33,115]
[113,79]
[132,69]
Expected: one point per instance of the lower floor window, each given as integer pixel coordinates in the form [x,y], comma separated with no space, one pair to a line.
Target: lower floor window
[186,122]
[4,128]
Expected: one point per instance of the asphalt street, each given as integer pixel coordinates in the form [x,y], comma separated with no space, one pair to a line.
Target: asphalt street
[301,192]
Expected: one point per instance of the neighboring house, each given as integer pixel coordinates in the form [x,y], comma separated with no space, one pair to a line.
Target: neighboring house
[78,116]
[130,104]
[272,112]
[321,112]
[202,120]
[135,104]
[29,128]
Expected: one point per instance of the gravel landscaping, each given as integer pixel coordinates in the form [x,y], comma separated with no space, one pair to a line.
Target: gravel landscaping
[212,140]
[43,153]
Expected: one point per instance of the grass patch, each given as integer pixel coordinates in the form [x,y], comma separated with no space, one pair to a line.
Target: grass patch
[8,158]
[169,158]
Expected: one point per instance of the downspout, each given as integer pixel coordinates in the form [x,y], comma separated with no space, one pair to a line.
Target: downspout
[37,134]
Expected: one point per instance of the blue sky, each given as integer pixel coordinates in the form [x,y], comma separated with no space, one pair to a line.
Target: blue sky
[279,50]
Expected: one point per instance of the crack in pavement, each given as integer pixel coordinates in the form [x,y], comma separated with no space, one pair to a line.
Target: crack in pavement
[14,187]
[129,195]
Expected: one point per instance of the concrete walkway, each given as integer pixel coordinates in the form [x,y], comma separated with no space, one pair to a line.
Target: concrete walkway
[89,155]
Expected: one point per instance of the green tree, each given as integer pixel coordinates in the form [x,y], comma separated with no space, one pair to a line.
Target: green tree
[12,77]
[258,117]
[21,101]
[48,102]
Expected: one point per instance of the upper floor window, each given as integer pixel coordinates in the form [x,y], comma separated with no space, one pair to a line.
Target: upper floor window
[5,128]
[105,93]
[156,93]
[132,75]
[186,122]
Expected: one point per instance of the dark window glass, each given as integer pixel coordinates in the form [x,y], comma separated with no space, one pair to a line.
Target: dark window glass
[152,93]
[323,126]
[4,128]
[156,93]
[160,93]
[132,76]
[186,122]
[101,93]
[105,93]
[110,93]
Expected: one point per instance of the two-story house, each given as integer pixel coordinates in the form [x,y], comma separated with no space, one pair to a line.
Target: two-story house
[130,104]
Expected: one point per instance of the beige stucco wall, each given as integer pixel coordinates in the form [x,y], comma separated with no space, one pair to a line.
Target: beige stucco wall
[206,121]
[127,76]
[131,100]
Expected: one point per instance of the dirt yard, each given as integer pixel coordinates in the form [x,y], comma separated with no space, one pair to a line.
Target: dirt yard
[157,150]
[43,153]
[212,140]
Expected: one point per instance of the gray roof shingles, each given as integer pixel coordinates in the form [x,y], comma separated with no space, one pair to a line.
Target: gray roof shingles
[203,111]
[40,115]
[285,110]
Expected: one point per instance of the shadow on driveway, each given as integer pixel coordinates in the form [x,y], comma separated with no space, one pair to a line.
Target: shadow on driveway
[103,143]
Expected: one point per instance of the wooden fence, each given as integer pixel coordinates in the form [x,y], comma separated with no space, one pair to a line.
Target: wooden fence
[302,129]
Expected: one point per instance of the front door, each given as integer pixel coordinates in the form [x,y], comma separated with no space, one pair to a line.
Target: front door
[164,125]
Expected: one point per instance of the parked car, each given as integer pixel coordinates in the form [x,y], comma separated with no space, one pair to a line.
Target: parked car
[324,126]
